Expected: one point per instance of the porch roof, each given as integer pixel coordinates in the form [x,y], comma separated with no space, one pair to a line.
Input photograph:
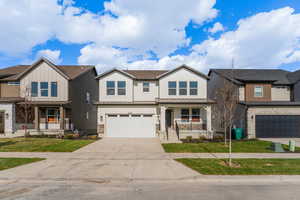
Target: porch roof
[125,103]
[52,103]
[184,101]
[11,99]
[271,103]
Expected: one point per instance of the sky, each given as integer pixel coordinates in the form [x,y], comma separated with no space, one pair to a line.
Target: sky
[152,34]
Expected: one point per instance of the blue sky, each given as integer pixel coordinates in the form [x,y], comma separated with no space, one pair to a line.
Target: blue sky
[152,34]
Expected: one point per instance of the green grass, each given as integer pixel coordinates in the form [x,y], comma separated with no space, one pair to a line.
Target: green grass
[248,146]
[6,163]
[245,166]
[41,145]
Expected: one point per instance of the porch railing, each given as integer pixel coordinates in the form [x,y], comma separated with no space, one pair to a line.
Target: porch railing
[190,125]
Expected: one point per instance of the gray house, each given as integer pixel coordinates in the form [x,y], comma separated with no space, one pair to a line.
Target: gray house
[268,100]
[58,98]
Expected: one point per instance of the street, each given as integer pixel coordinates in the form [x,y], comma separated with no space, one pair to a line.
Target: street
[131,190]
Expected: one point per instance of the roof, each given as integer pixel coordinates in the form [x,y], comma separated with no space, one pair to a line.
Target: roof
[150,74]
[47,102]
[294,76]
[70,72]
[240,76]
[272,103]
[146,74]
[11,99]
[185,100]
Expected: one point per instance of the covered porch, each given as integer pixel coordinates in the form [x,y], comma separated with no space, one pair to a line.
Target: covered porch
[45,117]
[185,120]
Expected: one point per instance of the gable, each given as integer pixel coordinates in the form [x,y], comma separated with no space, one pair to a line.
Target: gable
[183,74]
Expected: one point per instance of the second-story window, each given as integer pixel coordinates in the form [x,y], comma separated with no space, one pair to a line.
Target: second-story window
[88,98]
[110,88]
[34,89]
[53,89]
[44,89]
[121,88]
[13,83]
[182,88]
[146,86]
[258,91]
[193,88]
[172,87]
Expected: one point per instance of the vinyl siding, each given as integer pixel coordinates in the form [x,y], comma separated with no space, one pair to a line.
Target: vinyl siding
[281,94]
[139,95]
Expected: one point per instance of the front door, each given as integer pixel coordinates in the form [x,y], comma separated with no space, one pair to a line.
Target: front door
[168,118]
[2,121]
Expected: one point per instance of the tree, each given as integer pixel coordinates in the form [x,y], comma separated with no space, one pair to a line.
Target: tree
[25,110]
[226,99]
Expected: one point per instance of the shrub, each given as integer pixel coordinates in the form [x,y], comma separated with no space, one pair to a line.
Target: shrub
[93,137]
[69,136]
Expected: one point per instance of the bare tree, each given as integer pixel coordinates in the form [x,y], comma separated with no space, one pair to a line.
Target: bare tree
[226,99]
[25,109]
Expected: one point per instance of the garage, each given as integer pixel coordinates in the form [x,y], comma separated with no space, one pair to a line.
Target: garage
[130,125]
[277,126]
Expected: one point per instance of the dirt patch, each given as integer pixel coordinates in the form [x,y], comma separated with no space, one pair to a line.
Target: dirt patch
[226,164]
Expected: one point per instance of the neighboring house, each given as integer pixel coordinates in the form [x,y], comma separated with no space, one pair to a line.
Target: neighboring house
[59,98]
[148,103]
[269,103]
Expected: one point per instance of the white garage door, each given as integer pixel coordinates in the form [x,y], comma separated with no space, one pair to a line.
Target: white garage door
[132,126]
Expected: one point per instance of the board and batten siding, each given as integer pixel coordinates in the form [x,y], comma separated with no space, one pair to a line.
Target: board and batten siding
[45,73]
[115,76]
[140,95]
[182,75]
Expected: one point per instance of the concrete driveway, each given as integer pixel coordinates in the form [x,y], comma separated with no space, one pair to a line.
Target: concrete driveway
[283,140]
[119,159]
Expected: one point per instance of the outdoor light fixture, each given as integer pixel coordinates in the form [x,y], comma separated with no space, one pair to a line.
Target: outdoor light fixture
[6,115]
[101,118]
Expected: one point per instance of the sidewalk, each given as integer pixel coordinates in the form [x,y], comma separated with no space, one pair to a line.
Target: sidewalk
[234,155]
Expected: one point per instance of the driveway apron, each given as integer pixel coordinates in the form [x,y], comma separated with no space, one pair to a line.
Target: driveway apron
[109,158]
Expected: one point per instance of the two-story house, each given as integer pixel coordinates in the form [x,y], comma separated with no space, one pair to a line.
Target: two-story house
[148,103]
[266,100]
[48,98]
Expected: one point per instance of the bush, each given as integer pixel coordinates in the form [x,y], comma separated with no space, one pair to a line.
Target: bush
[93,137]
[69,136]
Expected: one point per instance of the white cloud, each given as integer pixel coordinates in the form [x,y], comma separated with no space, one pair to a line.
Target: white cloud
[266,39]
[53,55]
[216,28]
[140,26]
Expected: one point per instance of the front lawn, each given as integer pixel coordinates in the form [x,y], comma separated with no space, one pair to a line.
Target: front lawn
[244,166]
[247,146]
[6,163]
[41,145]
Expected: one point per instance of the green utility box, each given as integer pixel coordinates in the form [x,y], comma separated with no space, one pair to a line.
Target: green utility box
[238,133]
[292,145]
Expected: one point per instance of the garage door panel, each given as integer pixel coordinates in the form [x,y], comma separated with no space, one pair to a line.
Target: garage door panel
[133,126]
[268,126]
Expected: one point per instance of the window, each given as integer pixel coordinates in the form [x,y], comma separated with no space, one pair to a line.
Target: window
[88,98]
[53,89]
[193,88]
[258,91]
[34,89]
[185,115]
[196,115]
[13,83]
[52,115]
[110,88]
[182,88]
[146,86]
[121,88]
[172,87]
[44,89]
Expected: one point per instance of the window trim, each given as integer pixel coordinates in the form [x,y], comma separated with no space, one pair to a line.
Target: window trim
[16,83]
[56,115]
[146,88]
[193,88]
[262,91]
[113,88]
[44,89]
[37,89]
[172,88]
[121,88]
[183,88]
[52,90]
[186,117]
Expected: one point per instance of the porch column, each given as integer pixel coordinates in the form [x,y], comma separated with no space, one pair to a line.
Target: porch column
[36,118]
[62,117]
[208,120]
[163,118]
